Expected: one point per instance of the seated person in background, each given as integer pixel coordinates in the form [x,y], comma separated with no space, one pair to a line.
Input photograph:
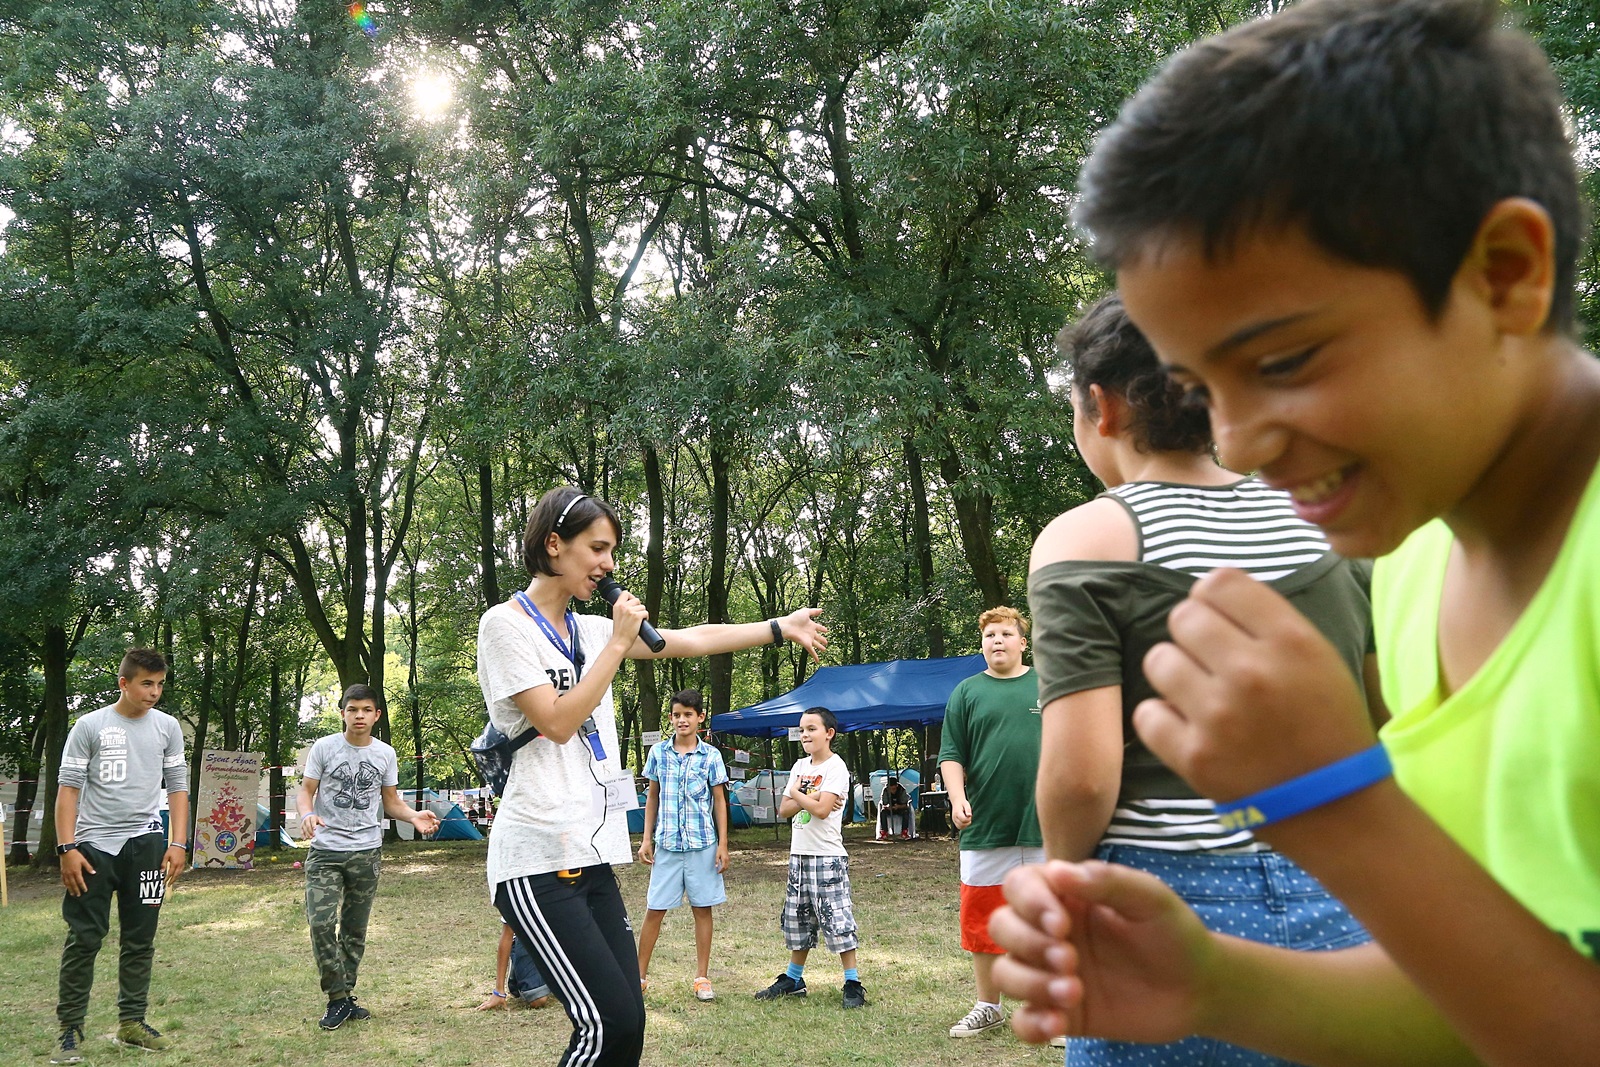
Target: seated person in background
[527,988]
[894,814]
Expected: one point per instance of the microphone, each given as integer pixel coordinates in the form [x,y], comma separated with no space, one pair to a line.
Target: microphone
[609,589]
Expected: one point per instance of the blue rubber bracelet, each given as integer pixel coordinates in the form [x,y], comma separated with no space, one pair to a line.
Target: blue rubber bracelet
[1311,790]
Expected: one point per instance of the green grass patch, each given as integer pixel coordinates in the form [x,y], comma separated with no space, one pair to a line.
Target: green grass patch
[234,983]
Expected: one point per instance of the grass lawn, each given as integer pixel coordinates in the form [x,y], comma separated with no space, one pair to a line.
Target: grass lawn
[234,982]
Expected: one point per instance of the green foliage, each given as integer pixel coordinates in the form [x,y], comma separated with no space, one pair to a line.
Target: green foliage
[284,365]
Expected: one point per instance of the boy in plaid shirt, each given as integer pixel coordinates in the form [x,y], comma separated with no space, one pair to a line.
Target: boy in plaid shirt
[686,815]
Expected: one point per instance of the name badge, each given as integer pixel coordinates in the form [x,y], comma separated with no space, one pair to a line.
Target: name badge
[616,795]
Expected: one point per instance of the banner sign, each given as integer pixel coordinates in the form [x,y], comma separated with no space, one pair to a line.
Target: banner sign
[225,830]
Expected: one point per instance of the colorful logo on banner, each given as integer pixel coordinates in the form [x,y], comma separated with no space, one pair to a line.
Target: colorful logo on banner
[225,833]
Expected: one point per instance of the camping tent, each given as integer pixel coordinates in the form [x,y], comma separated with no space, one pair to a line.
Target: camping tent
[453,823]
[864,696]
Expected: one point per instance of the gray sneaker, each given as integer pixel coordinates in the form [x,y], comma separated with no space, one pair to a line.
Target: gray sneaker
[981,1018]
[69,1046]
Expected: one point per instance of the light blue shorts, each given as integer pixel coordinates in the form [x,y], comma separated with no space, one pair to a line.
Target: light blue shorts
[679,874]
[1259,896]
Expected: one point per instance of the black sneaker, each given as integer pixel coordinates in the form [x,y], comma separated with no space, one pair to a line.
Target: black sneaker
[783,986]
[357,1012]
[854,995]
[338,1012]
[68,1048]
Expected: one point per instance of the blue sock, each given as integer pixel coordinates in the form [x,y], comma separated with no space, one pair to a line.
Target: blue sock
[852,975]
[797,971]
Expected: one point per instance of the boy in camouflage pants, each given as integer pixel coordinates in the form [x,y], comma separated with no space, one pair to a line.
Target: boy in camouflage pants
[344,860]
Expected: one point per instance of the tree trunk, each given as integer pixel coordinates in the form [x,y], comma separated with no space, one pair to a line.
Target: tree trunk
[720,666]
[275,717]
[486,537]
[922,548]
[412,684]
[975,521]
[202,723]
[27,791]
[655,580]
[55,720]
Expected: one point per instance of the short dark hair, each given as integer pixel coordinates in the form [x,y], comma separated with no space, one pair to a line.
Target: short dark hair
[1105,348]
[1386,128]
[689,698]
[830,721]
[360,691]
[141,661]
[565,512]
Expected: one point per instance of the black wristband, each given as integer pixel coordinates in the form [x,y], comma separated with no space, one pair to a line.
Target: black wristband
[777,631]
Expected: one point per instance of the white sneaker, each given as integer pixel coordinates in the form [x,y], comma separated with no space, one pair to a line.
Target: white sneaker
[980,1018]
[1059,1041]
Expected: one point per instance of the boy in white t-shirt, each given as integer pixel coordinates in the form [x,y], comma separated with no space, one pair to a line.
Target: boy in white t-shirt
[818,896]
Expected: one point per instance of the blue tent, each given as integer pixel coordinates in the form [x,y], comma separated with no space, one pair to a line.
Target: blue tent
[865,696]
[455,826]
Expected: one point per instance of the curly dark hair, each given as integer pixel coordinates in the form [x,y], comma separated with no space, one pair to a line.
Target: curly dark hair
[1105,348]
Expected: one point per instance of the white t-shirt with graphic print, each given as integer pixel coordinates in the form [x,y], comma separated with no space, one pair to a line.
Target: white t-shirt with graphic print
[811,836]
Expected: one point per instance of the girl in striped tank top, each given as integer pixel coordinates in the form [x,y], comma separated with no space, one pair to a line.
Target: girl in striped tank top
[1102,579]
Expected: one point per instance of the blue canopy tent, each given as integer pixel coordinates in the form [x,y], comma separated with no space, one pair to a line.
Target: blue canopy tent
[864,696]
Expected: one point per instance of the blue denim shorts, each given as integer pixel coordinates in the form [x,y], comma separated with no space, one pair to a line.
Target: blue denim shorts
[675,875]
[1259,896]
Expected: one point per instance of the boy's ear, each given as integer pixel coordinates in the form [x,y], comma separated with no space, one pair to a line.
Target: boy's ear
[1512,262]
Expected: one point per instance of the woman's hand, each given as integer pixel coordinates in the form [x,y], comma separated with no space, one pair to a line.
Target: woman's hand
[801,626]
[627,615]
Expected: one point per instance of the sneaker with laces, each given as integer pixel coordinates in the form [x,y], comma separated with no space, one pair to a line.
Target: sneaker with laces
[357,1012]
[69,1046]
[702,989]
[136,1033]
[853,995]
[783,986]
[339,1012]
[982,1017]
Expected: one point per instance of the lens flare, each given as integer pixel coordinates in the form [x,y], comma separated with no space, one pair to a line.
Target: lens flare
[358,14]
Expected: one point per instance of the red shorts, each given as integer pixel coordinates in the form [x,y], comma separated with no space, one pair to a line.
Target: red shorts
[978,902]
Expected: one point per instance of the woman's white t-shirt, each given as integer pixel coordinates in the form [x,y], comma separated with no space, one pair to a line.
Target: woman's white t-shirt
[549,819]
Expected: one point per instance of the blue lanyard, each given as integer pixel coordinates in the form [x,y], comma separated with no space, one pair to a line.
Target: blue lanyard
[575,654]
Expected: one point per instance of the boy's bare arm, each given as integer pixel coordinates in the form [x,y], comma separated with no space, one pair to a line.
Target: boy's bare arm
[652,810]
[719,813]
[426,822]
[177,856]
[305,802]
[74,864]
[1098,949]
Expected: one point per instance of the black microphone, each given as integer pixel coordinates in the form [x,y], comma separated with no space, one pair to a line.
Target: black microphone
[609,589]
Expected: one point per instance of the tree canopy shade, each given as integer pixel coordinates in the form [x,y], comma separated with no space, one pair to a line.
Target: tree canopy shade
[865,696]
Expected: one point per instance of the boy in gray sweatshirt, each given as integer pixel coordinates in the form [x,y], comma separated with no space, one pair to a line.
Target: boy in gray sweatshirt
[117,763]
